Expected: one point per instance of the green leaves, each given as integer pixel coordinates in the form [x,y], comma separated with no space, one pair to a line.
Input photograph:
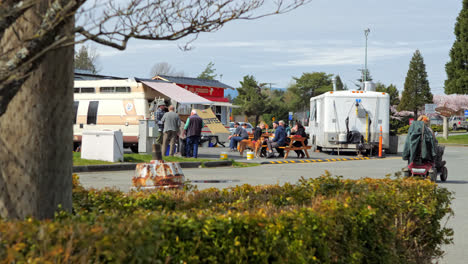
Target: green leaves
[320,220]
[456,68]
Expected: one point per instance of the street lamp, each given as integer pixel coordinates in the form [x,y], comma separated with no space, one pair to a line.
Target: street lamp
[366,33]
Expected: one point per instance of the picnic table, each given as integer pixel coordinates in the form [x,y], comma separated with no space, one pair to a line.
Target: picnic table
[290,146]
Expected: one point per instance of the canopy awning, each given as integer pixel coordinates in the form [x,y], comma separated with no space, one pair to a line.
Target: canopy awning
[177,93]
[223,104]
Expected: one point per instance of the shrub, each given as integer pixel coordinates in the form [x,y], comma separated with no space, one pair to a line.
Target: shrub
[403,129]
[437,128]
[322,220]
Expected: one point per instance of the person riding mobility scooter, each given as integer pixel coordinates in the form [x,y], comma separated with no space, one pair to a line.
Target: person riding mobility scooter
[422,152]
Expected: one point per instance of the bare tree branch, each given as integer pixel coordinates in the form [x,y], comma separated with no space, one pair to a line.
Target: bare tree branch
[168,19]
[16,64]
[114,23]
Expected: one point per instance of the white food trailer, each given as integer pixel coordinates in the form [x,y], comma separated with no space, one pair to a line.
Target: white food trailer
[341,120]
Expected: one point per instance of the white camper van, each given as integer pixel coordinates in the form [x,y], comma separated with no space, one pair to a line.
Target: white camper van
[110,105]
[119,104]
[349,120]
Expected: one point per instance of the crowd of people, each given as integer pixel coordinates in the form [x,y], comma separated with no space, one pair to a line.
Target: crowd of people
[186,134]
[172,129]
[280,139]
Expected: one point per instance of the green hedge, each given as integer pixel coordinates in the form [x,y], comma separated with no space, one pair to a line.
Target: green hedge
[322,220]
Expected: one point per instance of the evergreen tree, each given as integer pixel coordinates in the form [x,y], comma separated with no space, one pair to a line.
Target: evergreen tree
[307,86]
[86,59]
[339,84]
[416,91]
[457,67]
[208,73]
[251,100]
[392,92]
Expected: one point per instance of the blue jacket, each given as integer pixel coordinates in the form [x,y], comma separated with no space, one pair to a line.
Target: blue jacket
[280,136]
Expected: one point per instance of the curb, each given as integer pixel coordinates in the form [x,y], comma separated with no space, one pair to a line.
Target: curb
[313,160]
[132,166]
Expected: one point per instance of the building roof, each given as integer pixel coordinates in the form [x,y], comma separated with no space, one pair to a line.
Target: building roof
[175,92]
[194,81]
[87,75]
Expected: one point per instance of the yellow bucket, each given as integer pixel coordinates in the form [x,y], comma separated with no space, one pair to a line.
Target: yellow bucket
[223,156]
[250,155]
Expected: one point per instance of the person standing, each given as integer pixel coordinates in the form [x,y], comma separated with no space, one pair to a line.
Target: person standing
[158,115]
[193,127]
[182,139]
[171,123]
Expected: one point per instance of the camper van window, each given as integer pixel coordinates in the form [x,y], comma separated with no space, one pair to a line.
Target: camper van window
[318,112]
[76,90]
[75,110]
[92,112]
[313,111]
[87,90]
[106,89]
[112,89]
[122,89]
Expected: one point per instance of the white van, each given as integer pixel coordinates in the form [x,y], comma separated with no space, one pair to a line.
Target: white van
[348,119]
[119,104]
[110,105]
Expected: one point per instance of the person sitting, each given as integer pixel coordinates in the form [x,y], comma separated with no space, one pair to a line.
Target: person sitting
[439,163]
[239,134]
[257,134]
[279,140]
[299,130]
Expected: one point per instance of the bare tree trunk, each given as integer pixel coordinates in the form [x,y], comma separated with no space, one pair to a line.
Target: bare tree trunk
[36,132]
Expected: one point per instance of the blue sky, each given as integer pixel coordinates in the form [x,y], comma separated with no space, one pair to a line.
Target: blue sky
[325,36]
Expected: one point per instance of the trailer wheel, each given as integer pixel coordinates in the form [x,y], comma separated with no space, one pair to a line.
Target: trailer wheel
[444,174]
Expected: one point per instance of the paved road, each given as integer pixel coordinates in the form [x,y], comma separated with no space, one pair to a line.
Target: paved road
[457,163]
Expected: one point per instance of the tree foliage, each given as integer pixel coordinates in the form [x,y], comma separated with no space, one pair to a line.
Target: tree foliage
[86,59]
[251,99]
[307,86]
[392,92]
[208,73]
[339,84]
[278,108]
[416,91]
[164,68]
[457,67]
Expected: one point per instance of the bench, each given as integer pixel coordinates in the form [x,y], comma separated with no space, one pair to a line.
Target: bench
[290,147]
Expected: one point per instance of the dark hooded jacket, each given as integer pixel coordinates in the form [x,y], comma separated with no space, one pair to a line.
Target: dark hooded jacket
[419,142]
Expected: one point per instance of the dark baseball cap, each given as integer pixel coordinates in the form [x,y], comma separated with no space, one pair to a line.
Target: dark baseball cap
[276,122]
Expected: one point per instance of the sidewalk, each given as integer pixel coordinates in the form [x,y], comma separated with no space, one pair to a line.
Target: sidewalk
[215,153]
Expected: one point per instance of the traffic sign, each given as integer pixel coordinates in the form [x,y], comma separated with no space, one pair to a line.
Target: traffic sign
[466,112]
[290,116]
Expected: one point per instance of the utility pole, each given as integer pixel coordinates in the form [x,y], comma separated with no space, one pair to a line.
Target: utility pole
[366,33]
